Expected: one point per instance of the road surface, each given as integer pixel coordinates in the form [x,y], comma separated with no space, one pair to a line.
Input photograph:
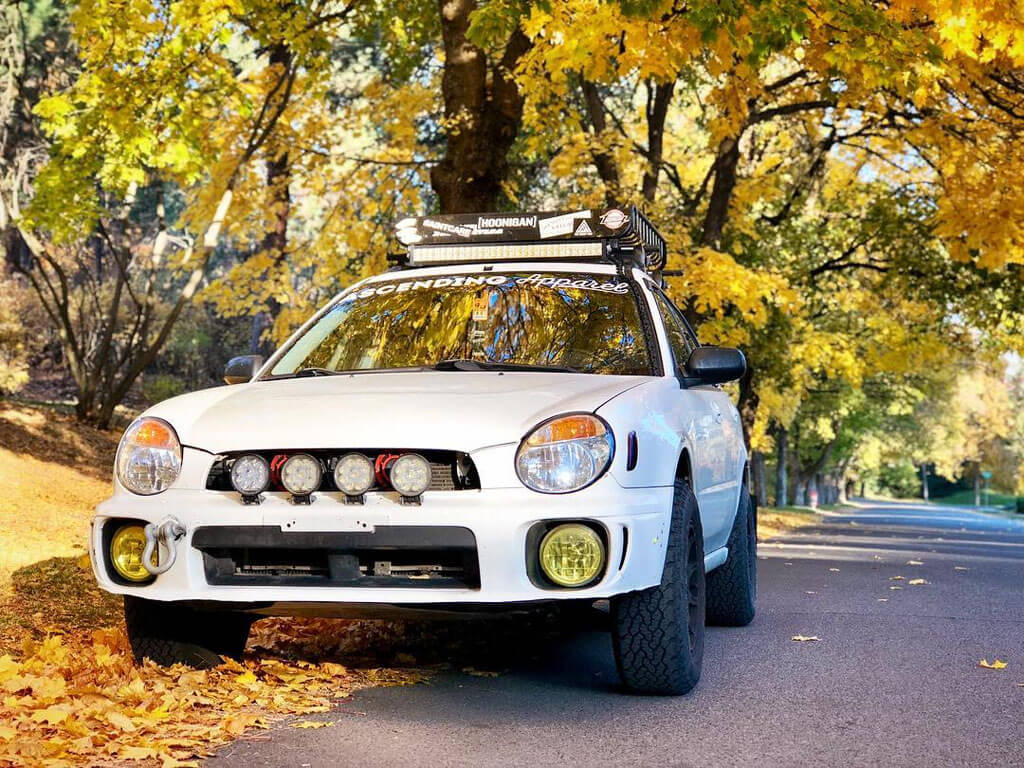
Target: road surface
[893,680]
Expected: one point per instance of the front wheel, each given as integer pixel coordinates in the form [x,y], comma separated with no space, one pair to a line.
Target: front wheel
[658,633]
[170,633]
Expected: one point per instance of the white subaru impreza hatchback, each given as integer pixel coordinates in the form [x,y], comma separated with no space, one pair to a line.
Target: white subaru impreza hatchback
[516,414]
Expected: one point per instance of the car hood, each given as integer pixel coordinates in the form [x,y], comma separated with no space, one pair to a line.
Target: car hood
[453,410]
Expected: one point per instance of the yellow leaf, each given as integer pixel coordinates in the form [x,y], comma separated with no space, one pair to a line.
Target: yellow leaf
[914,562]
[312,724]
[917,582]
[805,639]
[50,716]
[997,664]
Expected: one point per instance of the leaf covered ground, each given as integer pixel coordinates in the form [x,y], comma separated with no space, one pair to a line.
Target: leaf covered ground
[69,691]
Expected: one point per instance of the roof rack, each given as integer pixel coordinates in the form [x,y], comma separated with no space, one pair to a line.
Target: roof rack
[624,237]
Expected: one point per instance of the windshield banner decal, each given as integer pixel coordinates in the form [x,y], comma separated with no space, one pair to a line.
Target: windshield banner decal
[476,281]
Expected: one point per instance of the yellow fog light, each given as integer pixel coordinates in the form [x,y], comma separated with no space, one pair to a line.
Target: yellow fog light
[572,555]
[126,553]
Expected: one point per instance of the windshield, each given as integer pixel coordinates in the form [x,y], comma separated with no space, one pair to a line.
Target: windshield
[574,322]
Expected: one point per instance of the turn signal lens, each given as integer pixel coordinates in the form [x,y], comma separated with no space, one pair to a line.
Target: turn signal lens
[126,553]
[575,427]
[572,555]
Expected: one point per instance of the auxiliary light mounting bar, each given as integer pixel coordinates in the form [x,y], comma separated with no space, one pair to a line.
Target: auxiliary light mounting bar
[624,237]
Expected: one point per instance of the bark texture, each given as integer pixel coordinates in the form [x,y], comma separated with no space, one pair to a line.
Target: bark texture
[483,111]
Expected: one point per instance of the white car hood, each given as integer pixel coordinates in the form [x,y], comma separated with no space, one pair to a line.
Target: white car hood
[453,410]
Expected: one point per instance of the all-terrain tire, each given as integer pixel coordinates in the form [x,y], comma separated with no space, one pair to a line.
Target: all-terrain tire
[169,633]
[732,587]
[658,633]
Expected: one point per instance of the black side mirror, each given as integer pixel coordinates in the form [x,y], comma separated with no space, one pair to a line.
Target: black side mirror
[715,365]
[242,368]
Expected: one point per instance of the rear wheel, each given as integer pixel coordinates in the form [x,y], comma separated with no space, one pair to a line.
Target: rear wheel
[170,633]
[658,633]
[732,587]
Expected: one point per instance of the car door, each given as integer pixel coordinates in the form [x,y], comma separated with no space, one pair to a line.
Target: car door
[704,417]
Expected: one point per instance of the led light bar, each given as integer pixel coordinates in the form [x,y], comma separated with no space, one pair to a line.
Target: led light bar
[422,255]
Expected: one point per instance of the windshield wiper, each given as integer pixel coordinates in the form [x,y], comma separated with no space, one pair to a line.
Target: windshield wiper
[304,372]
[482,365]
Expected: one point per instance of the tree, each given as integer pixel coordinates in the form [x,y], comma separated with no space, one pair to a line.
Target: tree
[134,126]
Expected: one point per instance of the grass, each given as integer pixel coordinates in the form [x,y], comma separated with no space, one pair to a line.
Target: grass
[965,498]
[773,521]
[53,471]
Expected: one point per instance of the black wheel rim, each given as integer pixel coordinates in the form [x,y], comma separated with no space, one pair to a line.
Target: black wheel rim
[694,583]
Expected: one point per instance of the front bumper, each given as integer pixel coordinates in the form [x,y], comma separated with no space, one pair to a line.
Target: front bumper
[496,520]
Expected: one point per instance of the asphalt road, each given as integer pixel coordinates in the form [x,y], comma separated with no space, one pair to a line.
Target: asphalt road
[894,679]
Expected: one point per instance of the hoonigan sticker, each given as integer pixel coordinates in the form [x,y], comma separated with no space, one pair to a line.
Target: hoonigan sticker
[496,281]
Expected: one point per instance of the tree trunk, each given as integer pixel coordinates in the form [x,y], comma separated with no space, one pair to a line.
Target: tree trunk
[800,492]
[977,484]
[781,468]
[924,481]
[760,478]
[607,169]
[659,97]
[485,114]
[721,192]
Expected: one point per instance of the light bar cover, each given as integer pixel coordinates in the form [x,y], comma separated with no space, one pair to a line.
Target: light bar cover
[422,255]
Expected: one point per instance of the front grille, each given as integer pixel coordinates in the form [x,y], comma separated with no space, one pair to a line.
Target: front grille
[390,556]
[449,470]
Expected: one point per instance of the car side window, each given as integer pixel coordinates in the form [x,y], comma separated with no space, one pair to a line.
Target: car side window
[680,337]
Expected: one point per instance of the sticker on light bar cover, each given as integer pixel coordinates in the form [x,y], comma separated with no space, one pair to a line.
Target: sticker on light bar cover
[495,281]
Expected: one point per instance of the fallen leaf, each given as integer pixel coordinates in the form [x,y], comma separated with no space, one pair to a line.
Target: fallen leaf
[883,599]
[834,570]
[312,724]
[809,592]
[895,587]
[917,582]
[895,578]
[479,672]
[804,639]
[960,568]
[997,664]
[914,562]
[50,715]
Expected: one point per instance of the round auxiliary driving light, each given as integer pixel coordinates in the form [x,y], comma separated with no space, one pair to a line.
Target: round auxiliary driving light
[572,555]
[126,553]
[300,474]
[250,475]
[410,474]
[353,474]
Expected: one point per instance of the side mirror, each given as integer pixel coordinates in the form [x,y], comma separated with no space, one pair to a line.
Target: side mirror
[715,365]
[241,369]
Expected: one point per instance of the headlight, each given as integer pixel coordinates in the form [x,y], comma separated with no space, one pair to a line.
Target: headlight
[300,474]
[149,457]
[410,474]
[250,474]
[353,474]
[565,453]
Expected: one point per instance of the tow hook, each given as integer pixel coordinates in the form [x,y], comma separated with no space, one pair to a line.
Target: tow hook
[167,532]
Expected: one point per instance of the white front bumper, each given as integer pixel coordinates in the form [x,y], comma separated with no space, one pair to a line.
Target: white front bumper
[499,518]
